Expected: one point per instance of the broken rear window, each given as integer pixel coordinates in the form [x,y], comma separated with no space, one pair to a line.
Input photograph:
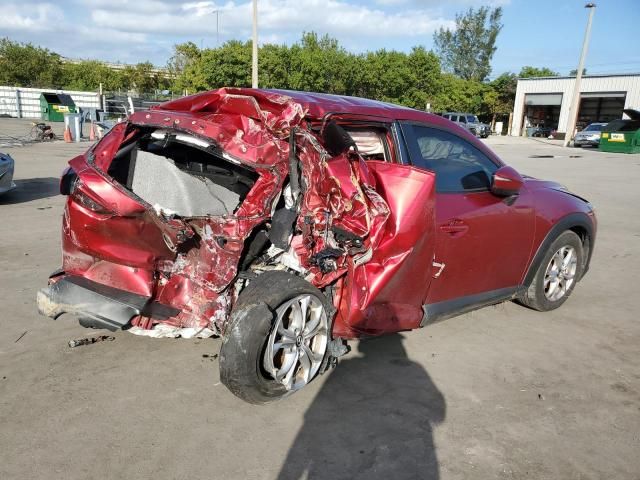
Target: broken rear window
[182,175]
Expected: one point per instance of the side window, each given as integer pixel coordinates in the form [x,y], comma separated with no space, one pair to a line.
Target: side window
[462,119]
[371,142]
[458,165]
[447,116]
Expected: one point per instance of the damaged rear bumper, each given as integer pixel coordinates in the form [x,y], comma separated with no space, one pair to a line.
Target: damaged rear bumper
[97,305]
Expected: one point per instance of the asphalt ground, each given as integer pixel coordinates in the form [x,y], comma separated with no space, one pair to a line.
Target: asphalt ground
[503,392]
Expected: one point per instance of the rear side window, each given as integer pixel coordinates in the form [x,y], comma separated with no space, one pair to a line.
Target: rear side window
[459,166]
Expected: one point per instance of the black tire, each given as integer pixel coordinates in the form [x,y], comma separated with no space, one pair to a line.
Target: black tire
[245,337]
[535,296]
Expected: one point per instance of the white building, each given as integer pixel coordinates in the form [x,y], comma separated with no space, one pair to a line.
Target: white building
[545,102]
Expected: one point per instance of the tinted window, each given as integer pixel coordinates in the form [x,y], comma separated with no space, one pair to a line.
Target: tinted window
[472,119]
[459,166]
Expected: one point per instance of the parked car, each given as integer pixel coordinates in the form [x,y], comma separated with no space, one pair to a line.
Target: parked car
[589,136]
[288,223]
[470,122]
[7,166]
[540,131]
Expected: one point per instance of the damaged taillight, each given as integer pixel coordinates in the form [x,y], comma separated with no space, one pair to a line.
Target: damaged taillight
[68,181]
[87,202]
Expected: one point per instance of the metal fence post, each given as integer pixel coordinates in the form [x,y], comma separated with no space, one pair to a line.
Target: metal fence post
[18,107]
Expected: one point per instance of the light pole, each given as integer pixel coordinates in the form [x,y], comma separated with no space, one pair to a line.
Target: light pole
[217,12]
[575,100]
[254,51]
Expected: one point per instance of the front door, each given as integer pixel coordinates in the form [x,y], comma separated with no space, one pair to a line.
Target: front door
[483,241]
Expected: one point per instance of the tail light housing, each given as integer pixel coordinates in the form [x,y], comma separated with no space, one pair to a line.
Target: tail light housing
[68,181]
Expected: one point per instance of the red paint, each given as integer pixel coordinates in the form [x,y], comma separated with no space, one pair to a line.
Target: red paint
[112,237]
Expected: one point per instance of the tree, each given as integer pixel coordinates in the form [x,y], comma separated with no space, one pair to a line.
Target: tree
[531,72]
[467,51]
[27,65]
[574,72]
[320,64]
[183,66]
[89,74]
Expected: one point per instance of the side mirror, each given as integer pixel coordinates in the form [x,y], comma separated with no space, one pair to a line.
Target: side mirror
[506,182]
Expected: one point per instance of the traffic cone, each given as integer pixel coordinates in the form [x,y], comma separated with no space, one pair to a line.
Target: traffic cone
[67,135]
[92,133]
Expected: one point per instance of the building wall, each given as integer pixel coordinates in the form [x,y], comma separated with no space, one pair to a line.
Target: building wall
[611,83]
[26,104]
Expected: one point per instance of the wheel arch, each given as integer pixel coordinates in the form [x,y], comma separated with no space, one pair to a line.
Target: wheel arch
[577,222]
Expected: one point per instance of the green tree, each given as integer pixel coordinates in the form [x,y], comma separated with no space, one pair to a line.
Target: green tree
[89,74]
[274,63]
[458,94]
[183,67]
[468,49]
[226,66]
[532,72]
[27,65]
[574,72]
[319,64]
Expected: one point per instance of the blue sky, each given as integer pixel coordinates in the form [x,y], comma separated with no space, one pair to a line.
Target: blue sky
[536,32]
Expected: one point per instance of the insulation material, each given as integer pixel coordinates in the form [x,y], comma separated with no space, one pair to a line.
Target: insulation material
[158,181]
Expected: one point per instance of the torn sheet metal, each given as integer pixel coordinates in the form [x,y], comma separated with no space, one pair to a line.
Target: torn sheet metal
[189,261]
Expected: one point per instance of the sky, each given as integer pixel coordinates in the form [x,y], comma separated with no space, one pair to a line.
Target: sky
[539,33]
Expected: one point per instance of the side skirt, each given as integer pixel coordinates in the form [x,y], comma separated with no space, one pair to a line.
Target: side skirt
[434,312]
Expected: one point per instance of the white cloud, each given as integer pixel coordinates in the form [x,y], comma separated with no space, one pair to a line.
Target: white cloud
[30,17]
[335,17]
[137,30]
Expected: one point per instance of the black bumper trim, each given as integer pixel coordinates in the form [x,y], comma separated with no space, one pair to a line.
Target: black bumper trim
[101,305]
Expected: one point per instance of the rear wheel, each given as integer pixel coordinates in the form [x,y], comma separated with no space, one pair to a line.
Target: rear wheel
[277,338]
[557,275]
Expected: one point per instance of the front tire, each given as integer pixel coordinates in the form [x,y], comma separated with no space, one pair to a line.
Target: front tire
[277,338]
[560,269]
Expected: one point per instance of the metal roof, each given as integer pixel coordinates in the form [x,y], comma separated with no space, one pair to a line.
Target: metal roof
[594,75]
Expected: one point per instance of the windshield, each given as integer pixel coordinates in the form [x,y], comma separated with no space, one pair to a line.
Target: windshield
[594,127]
[472,119]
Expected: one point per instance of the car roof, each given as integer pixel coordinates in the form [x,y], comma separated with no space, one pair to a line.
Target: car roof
[318,105]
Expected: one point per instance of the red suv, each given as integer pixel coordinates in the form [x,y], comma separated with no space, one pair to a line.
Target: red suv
[288,222]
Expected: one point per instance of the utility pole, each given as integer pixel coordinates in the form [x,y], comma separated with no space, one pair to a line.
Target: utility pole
[254,52]
[575,100]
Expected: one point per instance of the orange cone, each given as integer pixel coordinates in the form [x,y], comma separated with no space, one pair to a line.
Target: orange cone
[67,135]
[92,133]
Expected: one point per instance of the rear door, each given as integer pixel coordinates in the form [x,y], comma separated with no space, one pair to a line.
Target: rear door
[385,292]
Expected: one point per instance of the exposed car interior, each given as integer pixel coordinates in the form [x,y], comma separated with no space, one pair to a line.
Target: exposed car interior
[202,182]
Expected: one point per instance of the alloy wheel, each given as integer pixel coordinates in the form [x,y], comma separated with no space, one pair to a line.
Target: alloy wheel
[560,273]
[298,341]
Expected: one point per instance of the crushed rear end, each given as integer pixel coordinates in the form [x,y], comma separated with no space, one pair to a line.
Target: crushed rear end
[173,212]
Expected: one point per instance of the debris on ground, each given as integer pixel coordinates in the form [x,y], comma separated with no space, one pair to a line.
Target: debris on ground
[91,340]
[212,357]
[20,337]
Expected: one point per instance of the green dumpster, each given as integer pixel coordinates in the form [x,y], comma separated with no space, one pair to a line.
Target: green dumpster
[622,136]
[53,106]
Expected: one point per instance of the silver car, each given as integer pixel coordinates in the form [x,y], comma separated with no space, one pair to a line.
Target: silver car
[470,122]
[6,173]
[589,136]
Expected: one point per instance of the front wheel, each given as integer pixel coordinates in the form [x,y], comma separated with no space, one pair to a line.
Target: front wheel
[557,274]
[277,338]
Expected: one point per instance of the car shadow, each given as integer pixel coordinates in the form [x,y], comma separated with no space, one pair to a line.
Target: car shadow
[373,418]
[29,189]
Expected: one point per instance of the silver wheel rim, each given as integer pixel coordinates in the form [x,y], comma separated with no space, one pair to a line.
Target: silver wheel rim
[298,342]
[560,273]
